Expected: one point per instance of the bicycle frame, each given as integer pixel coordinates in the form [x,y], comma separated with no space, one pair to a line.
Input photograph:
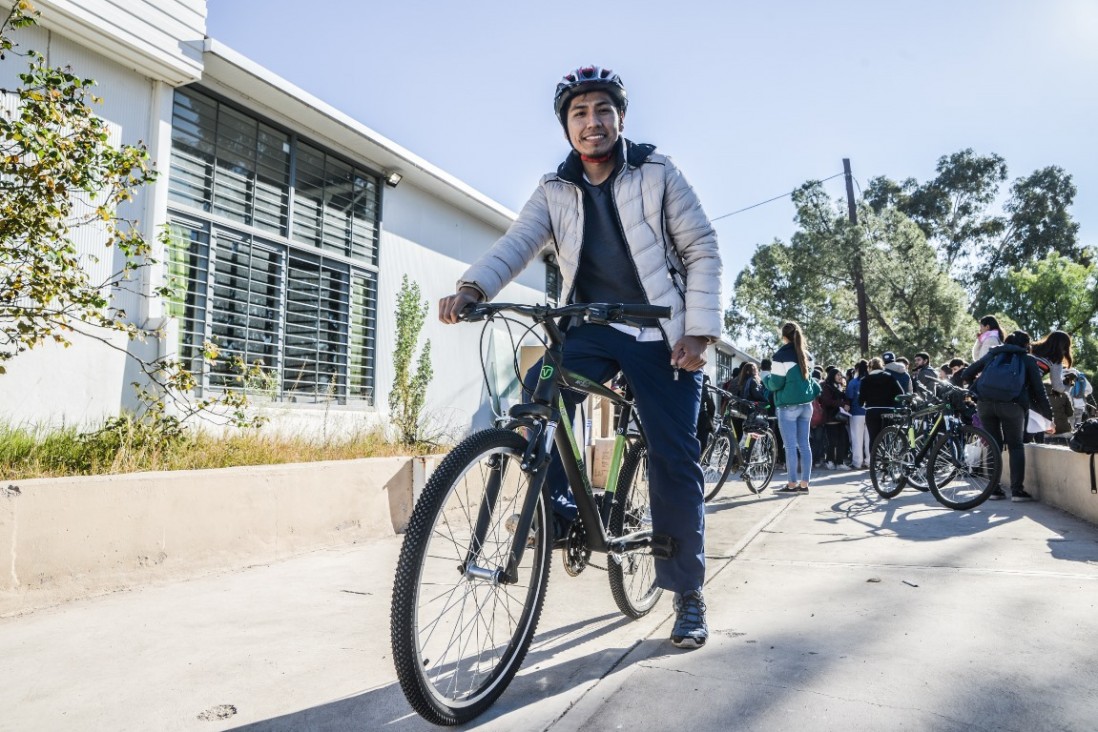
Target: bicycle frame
[543,424]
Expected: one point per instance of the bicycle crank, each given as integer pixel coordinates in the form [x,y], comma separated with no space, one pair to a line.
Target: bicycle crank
[575,552]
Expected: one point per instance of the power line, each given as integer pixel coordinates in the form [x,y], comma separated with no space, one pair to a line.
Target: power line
[769,200]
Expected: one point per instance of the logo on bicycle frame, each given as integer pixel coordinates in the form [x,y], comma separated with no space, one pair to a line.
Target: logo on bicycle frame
[546,372]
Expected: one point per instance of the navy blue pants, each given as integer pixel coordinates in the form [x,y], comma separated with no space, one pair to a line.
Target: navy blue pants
[669,412]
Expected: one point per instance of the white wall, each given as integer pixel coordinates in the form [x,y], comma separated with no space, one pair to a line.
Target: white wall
[161,39]
[84,383]
[432,243]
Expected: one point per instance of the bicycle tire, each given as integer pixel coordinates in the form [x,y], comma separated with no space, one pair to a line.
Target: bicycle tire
[758,466]
[886,462]
[716,464]
[457,640]
[633,574]
[979,466]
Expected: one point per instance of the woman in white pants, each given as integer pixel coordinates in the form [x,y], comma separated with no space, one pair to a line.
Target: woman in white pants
[859,436]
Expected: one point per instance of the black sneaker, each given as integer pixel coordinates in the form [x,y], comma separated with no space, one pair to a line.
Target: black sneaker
[996,495]
[788,489]
[691,630]
[1020,496]
[802,489]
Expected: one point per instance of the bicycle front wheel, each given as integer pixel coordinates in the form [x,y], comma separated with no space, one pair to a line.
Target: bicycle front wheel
[977,466]
[459,630]
[633,574]
[887,467]
[758,467]
[716,464]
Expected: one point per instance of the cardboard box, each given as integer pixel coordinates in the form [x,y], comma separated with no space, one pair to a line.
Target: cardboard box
[603,450]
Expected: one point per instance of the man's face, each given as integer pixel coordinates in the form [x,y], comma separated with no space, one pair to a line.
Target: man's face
[918,362]
[594,124]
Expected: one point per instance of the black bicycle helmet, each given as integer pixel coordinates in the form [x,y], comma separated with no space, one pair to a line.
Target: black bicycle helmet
[586,79]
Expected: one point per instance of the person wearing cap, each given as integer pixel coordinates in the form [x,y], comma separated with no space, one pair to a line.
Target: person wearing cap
[626,227]
[897,370]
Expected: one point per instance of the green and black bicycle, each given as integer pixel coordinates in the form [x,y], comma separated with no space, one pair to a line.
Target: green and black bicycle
[474,566]
[928,443]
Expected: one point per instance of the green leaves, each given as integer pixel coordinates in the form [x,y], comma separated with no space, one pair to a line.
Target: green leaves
[408,395]
[910,300]
[59,173]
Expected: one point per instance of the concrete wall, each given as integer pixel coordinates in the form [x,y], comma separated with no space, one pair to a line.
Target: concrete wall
[1059,477]
[66,538]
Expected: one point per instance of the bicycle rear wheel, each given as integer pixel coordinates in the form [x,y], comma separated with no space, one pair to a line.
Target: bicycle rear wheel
[758,467]
[459,633]
[977,463]
[633,574]
[887,467]
[716,463]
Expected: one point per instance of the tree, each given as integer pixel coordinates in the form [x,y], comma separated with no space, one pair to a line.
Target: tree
[409,392]
[911,303]
[1054,293]
[975,244]
[60,174]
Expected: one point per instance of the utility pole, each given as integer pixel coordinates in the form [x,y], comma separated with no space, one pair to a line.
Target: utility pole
[859,276]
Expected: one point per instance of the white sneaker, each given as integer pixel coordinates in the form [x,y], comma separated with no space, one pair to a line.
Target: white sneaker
[829,465]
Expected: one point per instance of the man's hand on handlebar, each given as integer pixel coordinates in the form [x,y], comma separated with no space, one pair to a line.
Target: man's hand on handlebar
[450,307]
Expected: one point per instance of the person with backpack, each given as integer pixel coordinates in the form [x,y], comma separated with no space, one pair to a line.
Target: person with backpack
[1080,389]
[1009,384]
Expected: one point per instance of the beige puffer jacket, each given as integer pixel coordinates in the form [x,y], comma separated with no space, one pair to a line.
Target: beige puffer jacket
[655,205]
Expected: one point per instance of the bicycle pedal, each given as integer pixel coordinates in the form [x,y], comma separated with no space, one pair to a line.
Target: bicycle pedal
[663,546]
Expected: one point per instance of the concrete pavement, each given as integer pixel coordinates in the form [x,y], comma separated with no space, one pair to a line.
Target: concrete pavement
[831,611]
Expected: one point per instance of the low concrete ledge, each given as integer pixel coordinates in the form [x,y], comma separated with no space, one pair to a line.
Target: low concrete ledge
[1059,477]
[65,538]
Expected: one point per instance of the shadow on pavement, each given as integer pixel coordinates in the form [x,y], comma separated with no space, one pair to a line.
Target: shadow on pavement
[385,707]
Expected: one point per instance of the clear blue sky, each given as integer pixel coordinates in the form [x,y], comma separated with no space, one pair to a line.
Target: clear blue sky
[750,98]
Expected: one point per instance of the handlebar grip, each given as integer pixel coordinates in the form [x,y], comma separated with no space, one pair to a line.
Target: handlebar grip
[473,312]
[645,311]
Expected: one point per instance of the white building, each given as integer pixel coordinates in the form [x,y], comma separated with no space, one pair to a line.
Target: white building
[290,243]
[286,229]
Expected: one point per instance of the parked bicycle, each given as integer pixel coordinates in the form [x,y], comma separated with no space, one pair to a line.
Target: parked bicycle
[928,440]
[474,565]
[753,455]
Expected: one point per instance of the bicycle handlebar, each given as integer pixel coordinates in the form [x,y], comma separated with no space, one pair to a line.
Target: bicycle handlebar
[597,312]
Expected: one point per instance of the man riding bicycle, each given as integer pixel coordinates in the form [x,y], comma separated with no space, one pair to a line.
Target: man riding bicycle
[626,227]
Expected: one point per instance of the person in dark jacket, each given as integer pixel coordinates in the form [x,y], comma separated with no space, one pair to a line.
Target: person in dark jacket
[1006,421]
[922,372]
[833,400]
[749,386]
[897,369]
[877,394]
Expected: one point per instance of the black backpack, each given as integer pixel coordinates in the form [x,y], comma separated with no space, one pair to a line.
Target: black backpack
[1003,379]
[1085,440]
[1085,437]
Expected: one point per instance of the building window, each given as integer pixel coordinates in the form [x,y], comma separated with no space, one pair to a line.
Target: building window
[229,164]
[725,364]
[273,254]
[286,324]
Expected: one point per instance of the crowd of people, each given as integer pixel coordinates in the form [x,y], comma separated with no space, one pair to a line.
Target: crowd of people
[828,416]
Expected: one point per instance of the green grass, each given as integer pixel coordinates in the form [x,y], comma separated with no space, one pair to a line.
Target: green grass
[125,446]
